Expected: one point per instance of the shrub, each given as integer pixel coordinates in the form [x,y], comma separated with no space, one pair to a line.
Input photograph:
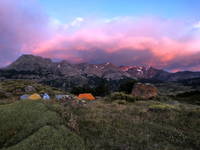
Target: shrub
[17,88]
[127,86]
[121,102]
[122,96]
[161,107]
[79,90]
[192,97]
[162,98]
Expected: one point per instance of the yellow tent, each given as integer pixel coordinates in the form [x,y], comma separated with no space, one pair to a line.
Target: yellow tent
[86,96]
[35,97]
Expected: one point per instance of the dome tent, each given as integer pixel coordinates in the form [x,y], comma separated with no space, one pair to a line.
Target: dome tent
[24,97]
[35,97]
[86,96]
[46,96]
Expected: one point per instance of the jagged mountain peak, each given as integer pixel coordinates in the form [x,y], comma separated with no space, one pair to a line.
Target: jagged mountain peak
[108,64]
[32,67]
[143,71]
[133,67]
[105,70]
[30,62]
[31,58]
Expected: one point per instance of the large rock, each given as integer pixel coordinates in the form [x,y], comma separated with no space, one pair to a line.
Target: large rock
[144,91]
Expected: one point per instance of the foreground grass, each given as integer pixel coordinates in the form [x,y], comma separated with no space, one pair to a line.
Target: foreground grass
[139,126]
[99,125]
[31,125]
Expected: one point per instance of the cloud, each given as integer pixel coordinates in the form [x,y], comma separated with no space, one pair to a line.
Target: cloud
[77,21]
[171,44]
[197,25]
[159,42]
[22,26]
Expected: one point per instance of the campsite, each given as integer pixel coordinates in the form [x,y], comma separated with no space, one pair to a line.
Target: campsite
[99,74]
[84,121]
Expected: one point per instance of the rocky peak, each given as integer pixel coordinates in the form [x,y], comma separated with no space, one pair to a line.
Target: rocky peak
[108,68]
[136,68]
[30,62]
[139,71]
[38,65]
[108,65]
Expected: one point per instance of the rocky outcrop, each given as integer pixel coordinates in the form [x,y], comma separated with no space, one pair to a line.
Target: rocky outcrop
[144,91]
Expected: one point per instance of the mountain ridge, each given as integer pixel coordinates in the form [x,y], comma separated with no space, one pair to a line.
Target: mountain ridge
[33,63]
[66,75]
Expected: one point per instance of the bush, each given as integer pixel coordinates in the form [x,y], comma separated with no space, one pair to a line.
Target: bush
[192,97]
[161,107]
[127,86]
[15,88]
[122,96]
[121,102]
[101,90]
[162,98]
[79,90]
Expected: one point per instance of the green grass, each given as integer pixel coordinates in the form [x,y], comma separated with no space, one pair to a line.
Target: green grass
[31,125]
[51,138]
[16,88]
[111,126]
[121,96]
[99,125]
[162,107]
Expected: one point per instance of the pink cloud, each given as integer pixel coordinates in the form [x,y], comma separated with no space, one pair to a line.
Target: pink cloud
[164,43]
[22,26]
[165,40]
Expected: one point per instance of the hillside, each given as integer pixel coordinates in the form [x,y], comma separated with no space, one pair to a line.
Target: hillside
[11,90]
[117,121]
[99,125]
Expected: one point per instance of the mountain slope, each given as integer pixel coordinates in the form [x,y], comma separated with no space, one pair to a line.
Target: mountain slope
[66,76]
[38,65]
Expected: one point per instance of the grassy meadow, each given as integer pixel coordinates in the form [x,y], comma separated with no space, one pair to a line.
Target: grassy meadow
[116,122]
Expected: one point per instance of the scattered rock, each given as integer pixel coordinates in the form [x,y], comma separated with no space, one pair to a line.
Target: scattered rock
[4,94]
[144,91]
[29,89]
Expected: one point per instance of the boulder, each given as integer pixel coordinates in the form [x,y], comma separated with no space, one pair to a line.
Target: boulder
[144,91]
[29,89]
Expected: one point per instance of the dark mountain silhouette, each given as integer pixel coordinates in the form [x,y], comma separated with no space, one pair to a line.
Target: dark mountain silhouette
[66,75]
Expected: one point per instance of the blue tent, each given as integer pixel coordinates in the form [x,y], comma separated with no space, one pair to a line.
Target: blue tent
[46,96]
[24,97]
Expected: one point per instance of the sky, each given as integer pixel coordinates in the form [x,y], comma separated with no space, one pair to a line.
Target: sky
[164,34]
